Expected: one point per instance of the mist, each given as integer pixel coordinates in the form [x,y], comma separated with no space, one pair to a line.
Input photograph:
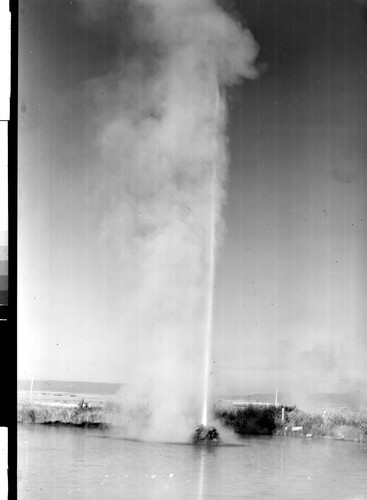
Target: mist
[161,137]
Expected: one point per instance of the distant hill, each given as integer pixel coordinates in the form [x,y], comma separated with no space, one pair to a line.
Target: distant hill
[268,398]
[73,386]
[354,400]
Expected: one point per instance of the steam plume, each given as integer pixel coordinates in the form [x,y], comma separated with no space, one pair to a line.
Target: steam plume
[162,137]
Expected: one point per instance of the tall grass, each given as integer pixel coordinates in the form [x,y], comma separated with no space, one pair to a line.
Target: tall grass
[349,425]
[82,415]
[269,419]
[251,419]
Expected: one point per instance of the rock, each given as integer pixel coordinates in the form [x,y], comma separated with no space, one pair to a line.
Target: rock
[205,435]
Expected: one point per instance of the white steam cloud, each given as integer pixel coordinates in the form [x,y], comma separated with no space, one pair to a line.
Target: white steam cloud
[162,133]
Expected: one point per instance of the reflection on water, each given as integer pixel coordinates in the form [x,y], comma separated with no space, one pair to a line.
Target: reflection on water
[66,462]
[201,476]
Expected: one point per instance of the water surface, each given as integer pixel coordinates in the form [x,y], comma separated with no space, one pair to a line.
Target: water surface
[67,462]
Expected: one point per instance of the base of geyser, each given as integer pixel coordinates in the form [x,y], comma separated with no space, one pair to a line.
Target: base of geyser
[206,435]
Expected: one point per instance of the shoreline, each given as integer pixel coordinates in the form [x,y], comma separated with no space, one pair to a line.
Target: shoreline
[252,420]
[289,421]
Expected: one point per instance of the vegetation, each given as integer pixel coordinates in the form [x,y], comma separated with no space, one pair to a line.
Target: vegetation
[251,419]
[337,424]
[82,415]
[270,419]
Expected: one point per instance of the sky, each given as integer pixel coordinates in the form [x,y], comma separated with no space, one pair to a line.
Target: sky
[107,91]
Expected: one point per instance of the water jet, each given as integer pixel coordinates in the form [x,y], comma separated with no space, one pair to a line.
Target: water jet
[211,254]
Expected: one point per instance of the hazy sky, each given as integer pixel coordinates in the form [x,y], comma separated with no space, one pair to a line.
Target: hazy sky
[291,276]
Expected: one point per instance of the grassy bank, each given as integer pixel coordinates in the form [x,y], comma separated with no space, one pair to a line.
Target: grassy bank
[252,419]
[336,424]
[81,414]
[270,419]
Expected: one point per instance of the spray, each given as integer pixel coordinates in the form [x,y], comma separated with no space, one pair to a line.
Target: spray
[163,142]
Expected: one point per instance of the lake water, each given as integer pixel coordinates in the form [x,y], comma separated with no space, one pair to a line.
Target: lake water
[66,462]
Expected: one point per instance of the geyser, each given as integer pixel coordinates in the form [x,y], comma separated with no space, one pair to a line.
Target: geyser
[164,148]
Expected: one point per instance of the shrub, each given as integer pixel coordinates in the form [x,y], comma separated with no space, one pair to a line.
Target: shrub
[251,419]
